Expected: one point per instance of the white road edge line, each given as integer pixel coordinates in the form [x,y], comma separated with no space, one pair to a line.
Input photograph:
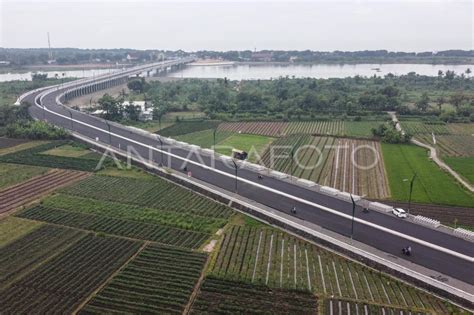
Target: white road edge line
[346,216]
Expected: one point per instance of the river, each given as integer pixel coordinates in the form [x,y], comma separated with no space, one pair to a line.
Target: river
[324,71]
[268,71]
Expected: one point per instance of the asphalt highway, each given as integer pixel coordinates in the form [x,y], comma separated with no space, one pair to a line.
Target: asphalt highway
[279,194]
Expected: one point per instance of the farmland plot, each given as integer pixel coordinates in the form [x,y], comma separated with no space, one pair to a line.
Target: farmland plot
[120,227]
[218,296]
[264,128]
[155,193]
[333,128]
[159,280]
[205,138]
[357,168]
[186,127]
[461,129]
[337,306]
[11,174]
[12,228]
[264,256]
[22,255]
[36,156]
[66,280]
[450,145]
[354,166]
[418,127]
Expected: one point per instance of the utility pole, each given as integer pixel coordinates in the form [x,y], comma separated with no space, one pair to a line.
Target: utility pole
[353,214]
[236,169]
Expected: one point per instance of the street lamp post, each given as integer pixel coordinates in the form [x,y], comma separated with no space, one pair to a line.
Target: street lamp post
[236,177]
[411,190]
[161,148]
[353,214]
[292,153]
[215,131]
[110,134]
[72,122]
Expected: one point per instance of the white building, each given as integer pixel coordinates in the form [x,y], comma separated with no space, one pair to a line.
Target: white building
[146,112]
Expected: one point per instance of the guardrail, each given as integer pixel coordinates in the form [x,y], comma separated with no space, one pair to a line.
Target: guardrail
[426,221]
[469,235]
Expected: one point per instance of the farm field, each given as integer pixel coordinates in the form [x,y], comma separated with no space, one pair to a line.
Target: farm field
[218,296]
[155,193]
[362,129]
[69,150]
[432,184]
[68,278]
[328,161]
[11,174]
[8,145]
[152,210]
[450,145]
[333,128]
[461,129]
[464,166]
[11,142]
[264,128]
[12,228]
[34,188]
[338,306]
[35,156]
[186,221]
[269,257]
[159,280]
[186,127]
[35,247]
[252,144]
[418,127]
[205,138]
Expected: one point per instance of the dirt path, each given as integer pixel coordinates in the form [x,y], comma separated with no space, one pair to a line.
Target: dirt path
[197,287]
[433,155]
[145,244]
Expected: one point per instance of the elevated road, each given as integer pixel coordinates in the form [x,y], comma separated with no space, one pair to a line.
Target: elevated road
[433,249]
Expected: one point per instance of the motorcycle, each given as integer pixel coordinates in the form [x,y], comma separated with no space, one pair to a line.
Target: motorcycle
[406,251]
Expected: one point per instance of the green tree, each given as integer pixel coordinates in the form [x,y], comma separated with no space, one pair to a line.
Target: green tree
[112,108]
[423,102]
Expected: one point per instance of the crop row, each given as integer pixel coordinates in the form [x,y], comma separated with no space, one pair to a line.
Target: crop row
[185,127]
[316,127]
[357,167]
[268,257]
[66,280]
[155,193]
[186,221]
[22,255]
[450,145]
[350,165]
[34,156]
[336,306]
[417,127]
[159,280]
[131,229]
[219,296]
[264,128]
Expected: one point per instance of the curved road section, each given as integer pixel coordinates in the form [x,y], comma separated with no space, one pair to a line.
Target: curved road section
[438,251]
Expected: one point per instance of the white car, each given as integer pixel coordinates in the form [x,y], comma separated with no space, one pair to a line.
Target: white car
[399,212]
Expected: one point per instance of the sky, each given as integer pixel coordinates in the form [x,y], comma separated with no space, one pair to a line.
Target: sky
[224,25]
